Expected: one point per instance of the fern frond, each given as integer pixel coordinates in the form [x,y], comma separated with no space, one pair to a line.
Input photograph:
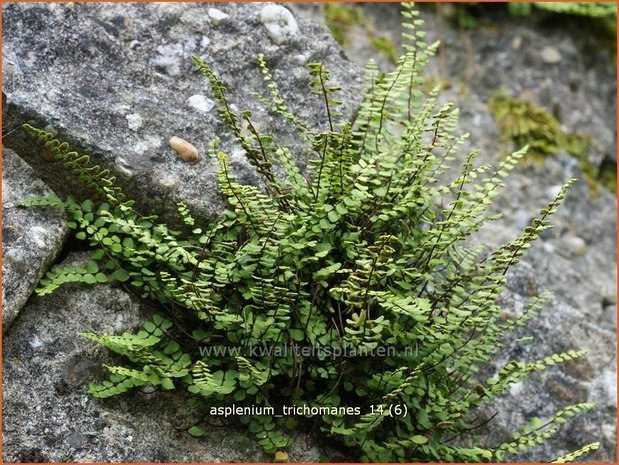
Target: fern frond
[577,453]
[93,176]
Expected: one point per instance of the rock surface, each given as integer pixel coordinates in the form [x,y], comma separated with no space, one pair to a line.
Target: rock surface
[117,81]
[558,328]
[31,237]
[280,23]
[576,260]
[49,415]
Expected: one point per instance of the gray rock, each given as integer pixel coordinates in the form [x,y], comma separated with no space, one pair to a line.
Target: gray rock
[217,16]
[576,259]
[581,315]
[50,417]
[574,245]
[134,120]
[280,23]
[551,55]
[558,328]
[89,69]
[521,218]
[31,237]
[516,43]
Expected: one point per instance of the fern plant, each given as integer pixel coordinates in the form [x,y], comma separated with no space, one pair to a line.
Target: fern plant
[354,278]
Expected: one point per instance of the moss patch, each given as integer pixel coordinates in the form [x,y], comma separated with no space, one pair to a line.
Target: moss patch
[340,18]
[522,123]
[386,46]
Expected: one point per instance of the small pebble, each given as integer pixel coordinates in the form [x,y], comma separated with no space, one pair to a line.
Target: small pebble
[281,456]
[551,55]
[39,236]
[123,167]
[134,121]
[217,16]
[35,342]
[127,173]
[201,103]
[119,323]
[507,315]
[279,22]
[516,43]
[188,152]
[609,432]
[516,388]
[575,245]
[300,59]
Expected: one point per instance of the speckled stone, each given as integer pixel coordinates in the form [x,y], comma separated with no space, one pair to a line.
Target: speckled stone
[31,237]
[89,68]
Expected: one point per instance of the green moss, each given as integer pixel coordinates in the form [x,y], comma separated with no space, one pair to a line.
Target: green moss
[606,10]
[607,174]
[464,18]
[604,13]
[340,17]
[526,124]
[386,46]
[520,8]
[522,123]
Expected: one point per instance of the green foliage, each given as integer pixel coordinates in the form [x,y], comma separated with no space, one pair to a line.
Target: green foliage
[464,18]
[537,431]
[196,431]
[340,18]
[607,10]
[467,14]
[526,124]
[365,250]
[522,123]
[601,15]
[386,46]
[578,453]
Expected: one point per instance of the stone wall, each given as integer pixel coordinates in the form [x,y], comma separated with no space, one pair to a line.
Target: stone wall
[116,80]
